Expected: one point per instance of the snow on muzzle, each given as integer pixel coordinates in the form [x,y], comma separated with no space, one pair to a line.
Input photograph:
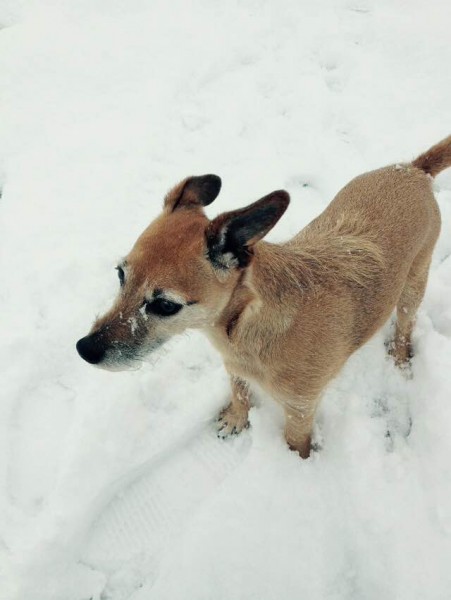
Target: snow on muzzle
[118,345]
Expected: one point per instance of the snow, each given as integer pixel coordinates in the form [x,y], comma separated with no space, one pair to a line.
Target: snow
[114,485]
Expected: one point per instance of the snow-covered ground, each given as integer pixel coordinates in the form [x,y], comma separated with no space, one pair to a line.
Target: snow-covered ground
[114,486]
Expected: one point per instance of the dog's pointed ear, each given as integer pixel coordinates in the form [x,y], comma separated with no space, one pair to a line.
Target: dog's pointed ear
[192,192]
[230,236]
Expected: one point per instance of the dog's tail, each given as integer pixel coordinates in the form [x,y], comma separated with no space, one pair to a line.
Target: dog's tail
[436,158]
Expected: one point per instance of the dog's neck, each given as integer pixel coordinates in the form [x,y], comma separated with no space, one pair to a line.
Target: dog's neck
[259,291]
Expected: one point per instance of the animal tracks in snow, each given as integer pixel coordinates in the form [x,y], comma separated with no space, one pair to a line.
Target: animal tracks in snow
[130,535]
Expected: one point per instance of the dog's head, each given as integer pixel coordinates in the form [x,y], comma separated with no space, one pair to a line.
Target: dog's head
[180,273]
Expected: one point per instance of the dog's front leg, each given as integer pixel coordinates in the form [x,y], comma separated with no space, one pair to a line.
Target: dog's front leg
[298,427]
[234,418]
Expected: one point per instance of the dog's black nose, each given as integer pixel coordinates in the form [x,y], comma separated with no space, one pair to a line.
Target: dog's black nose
[90,349]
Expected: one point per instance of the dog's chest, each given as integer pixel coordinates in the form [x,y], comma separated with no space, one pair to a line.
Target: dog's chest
[238,358]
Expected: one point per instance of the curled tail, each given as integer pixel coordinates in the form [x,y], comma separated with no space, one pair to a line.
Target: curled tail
[436,158]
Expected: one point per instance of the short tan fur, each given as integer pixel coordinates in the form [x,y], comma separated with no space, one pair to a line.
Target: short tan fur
[285,316]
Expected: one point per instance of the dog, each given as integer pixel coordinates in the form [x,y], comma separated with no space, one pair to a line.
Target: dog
[285,316]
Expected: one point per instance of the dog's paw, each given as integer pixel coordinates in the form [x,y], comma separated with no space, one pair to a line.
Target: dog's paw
[231,421]
[402,354]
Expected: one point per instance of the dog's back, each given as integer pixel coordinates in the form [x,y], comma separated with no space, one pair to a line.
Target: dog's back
[394,206]
[390,215]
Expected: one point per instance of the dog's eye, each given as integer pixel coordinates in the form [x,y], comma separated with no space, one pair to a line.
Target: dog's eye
[121,275]
[162,307]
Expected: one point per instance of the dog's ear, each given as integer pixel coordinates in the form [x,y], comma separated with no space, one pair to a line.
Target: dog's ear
[230,236]
[192,192]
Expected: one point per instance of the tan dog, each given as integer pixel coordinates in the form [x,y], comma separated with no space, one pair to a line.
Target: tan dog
[285,316]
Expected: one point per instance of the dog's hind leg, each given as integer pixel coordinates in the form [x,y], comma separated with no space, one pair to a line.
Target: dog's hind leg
[234,418]
[406,309]
[415,285]
[298,428]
